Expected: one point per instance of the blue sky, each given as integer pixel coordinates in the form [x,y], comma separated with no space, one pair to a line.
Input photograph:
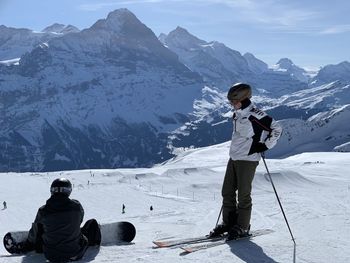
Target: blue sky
[311,33]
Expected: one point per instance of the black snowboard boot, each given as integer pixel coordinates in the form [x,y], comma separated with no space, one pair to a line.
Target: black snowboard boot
[16,248]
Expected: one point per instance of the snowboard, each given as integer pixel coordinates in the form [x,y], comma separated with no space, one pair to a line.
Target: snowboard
[111,233]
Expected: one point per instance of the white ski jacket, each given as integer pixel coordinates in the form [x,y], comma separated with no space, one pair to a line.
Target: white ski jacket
[251,126]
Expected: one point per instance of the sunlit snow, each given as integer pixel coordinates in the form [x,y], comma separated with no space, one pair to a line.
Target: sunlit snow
[314,189]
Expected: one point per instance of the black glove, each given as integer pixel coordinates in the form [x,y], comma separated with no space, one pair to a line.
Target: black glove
[260,147]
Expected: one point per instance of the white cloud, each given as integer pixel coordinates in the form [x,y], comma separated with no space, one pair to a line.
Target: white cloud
[337,29]
[234,3]
[270,14]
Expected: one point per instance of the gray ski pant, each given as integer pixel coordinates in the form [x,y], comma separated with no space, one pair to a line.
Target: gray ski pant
[237,207]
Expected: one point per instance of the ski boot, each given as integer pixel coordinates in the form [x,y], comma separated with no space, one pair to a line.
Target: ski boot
[237,232]
[219,230]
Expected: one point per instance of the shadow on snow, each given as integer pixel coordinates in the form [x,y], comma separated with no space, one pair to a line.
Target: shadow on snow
[250,252]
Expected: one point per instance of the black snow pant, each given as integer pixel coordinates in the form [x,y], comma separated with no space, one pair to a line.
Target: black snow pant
[92,232]
[91,236]
[237,207]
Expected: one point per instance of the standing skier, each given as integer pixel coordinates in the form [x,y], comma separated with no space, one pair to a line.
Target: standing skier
[5,205]
[253,133]
[56,229]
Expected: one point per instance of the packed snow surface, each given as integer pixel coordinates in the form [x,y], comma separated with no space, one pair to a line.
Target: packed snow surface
[314,189]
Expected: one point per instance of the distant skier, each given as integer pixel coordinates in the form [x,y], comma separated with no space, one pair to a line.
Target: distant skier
[56,230]
[253,133]
[5,205]
[123,209]
[151,208]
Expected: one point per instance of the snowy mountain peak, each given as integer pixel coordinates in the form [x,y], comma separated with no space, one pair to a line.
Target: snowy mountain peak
[60,29]
[343,67]
[2,27]
[181,30]
[16,42]
[254,64]
[345,64]
[121,15]
[70,29]
[181,37]
[120,30]
[119,20]
[7,32]
[162,37]
[56,27]
[287,65]
[331,73]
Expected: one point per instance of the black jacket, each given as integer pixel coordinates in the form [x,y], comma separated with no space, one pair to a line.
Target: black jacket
[57,227]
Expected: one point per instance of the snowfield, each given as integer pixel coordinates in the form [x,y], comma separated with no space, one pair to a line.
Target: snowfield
[314,189]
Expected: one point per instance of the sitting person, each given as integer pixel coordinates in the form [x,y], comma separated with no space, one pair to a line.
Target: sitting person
[56,230]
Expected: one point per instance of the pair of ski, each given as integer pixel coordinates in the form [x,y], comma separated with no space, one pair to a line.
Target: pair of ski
[190,245]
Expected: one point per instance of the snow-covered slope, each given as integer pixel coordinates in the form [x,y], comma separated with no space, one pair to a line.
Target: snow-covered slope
[325,131]
[345,147]
[305,103]
[323,97]
[314,119]
[185,195]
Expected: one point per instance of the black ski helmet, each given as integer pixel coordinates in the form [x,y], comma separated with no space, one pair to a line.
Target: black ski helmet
[61,186]
[239,92]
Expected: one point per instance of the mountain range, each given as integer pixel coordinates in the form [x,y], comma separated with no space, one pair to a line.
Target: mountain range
[116,95]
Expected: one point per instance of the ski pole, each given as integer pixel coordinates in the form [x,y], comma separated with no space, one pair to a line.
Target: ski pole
[279,202]
[217,221]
